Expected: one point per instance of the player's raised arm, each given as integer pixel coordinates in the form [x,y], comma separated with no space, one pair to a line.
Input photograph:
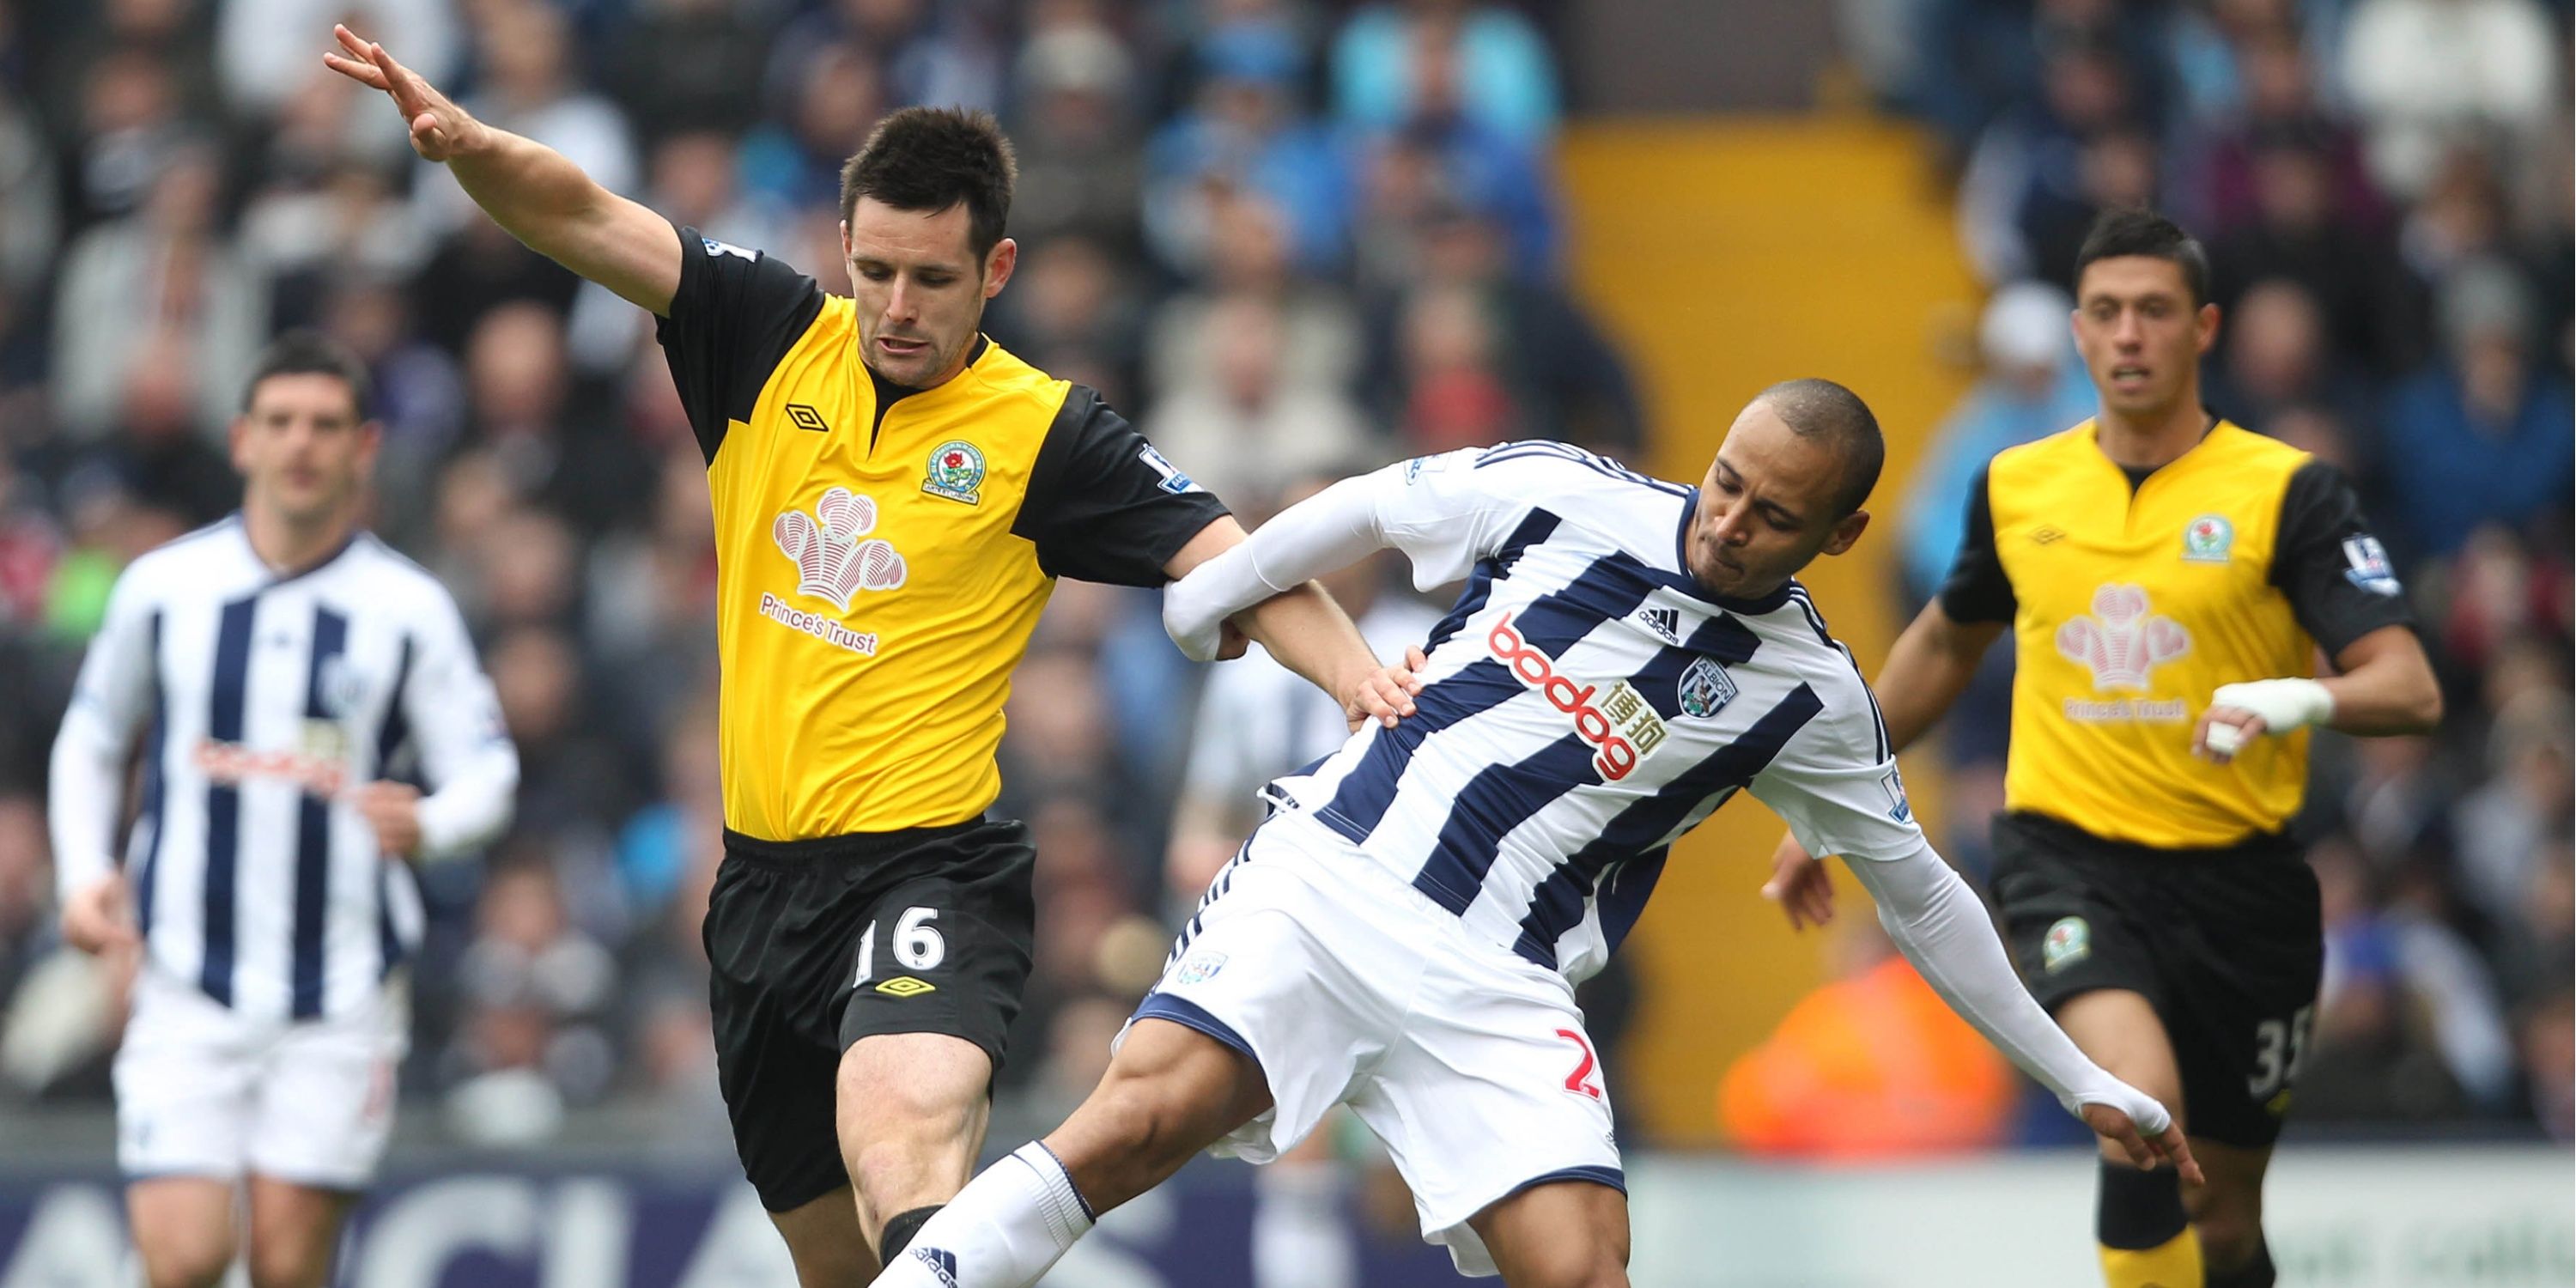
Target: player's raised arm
[526,187]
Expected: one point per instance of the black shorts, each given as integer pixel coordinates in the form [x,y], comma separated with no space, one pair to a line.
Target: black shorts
[812,945]
[2226,944]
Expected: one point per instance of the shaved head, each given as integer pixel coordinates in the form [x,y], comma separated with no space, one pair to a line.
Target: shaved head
[1834,418]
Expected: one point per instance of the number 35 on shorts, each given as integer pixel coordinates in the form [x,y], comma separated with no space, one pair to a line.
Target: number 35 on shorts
[914,945]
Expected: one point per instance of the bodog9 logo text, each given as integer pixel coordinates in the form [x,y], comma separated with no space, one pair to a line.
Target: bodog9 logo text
[1622,726]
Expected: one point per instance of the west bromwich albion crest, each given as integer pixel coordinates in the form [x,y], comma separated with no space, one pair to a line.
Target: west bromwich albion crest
[1706,687]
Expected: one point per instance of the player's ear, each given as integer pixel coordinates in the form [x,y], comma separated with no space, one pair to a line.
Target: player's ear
[998,263]
[1847,530]
[240,443]
[846,252]
[2206,323]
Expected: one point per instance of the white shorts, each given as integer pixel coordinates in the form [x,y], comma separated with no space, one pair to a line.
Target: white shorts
[202,1091]
[1348,986]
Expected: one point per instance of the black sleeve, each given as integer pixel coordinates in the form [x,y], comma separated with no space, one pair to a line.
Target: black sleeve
[1977,589]
[1103,505]
[2334,572]
[737,313]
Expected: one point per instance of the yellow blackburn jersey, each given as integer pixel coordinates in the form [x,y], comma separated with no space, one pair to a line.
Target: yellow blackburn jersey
[883,553]
[2133,596]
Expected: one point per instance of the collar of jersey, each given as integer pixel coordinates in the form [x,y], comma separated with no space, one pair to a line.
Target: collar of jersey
[293,574]
[1689,585]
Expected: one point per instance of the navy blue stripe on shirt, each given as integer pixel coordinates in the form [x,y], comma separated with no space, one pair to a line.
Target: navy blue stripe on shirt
[1503,797]
[1611,588]
[1624,892]
[1490,569]
[156,786]
[313,828]
[389,739]
[228,699]
[1556,906]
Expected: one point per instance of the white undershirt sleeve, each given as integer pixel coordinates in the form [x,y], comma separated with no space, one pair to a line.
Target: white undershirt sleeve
[464,749]
[87,777]
[1444,512]
[1941,927]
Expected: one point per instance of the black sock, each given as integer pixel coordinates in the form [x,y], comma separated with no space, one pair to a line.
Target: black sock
[2138,1210]
[2257,1273]
[899,1230]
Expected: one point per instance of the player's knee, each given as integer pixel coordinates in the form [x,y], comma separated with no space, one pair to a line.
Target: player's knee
[1598,1266]
[2231,1233]
[186,1260]
[276,1265]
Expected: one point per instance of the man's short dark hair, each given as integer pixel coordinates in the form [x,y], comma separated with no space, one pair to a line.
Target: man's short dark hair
[2139,231]
[1827,413]
[931,158]
[300,353]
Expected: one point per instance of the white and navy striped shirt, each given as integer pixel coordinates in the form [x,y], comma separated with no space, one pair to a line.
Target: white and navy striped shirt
[264,702]
[1587,702]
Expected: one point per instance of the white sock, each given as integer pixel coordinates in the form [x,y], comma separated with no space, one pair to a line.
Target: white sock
[1299,1237]
[1004,1230]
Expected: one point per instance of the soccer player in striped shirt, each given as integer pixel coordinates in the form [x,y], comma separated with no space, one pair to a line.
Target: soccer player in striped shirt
[277,667]
[1403,933]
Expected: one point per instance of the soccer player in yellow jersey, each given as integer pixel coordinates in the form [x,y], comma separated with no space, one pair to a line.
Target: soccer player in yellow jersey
[894,497]
[2169,579]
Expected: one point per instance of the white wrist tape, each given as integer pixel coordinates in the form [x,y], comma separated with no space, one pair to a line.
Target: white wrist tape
[2285,705]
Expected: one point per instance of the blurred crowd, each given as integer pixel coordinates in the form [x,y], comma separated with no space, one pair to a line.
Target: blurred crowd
[2384,190]
[1285,238]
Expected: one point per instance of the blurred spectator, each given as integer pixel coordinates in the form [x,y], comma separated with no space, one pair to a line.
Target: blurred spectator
[2505,827]
[1474,164]
[1248,256]
[2280,103]
[2427,73]
[267,49]
[536,989]
[531,86]
[2033,386]
[1564,373]
[2300,232]
[1504,77]
[1245,130]
[689,65]
[1452,386]
[695,183]
[1240,424]
[1076,133]
[560,450]
[2033,159]
[30,236]
[158,454]
[1071,307]
[2482,436]
[938,55]
[2276,357]
[1873,1065]
[164,272]
[831,100]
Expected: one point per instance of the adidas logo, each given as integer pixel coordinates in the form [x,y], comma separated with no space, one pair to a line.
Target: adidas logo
[831,562]
[1664,622]
[941,1261]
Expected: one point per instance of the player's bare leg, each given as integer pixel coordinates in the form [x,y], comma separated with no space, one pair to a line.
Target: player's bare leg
[294,1229]
[2141,1217]
[2228,1211]
[1170,1092]
[825,1242]
[183,1227]
[912,1113]
[1564,1234]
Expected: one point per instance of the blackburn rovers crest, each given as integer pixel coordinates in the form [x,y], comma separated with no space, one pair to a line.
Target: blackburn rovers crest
[956,470]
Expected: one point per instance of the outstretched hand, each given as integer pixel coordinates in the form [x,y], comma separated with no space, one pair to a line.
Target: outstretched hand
[439,128]
[1800,885]
[2111,1124]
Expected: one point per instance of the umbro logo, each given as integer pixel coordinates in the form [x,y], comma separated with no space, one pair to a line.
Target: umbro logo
[1664,622]
[807,418]
[941,1261]
[906,986]
[2043,536]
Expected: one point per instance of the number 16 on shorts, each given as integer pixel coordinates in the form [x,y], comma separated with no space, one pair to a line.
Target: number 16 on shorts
[915,945]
